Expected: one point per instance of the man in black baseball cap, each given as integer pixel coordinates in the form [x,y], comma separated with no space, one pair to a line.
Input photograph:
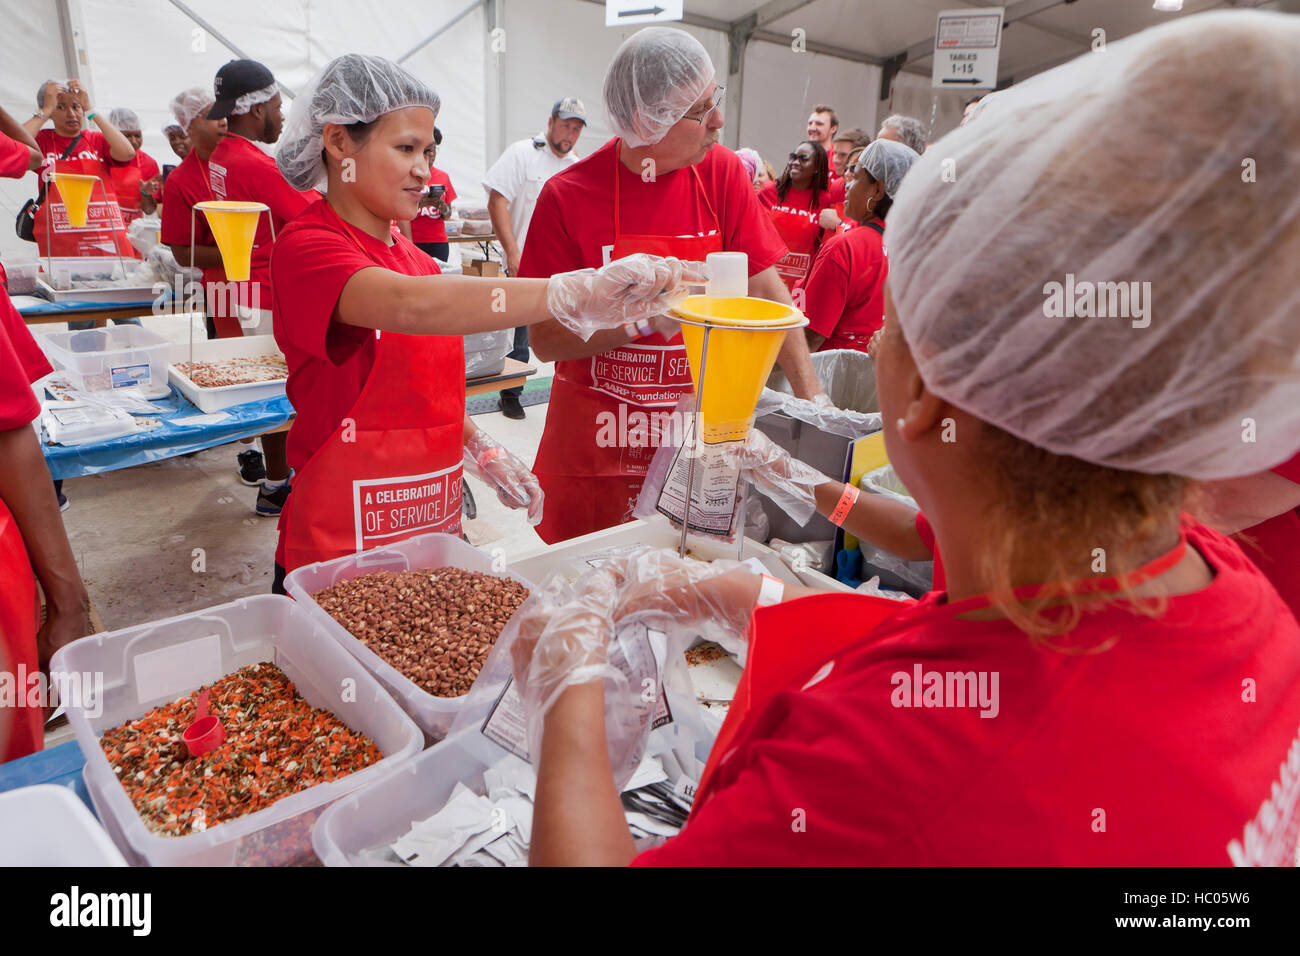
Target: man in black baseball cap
[239,85]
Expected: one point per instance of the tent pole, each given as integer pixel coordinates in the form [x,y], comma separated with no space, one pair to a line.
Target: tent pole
[222,39]
[474,5]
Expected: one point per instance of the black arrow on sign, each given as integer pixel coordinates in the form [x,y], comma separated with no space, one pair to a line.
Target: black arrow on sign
[649,11]
[946,80]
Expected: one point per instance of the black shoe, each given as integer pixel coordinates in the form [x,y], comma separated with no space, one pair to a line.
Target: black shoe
[63,502]
[271,501]
[251,469]
[510,407]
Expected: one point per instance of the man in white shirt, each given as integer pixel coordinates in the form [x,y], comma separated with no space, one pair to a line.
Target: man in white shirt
[512,186]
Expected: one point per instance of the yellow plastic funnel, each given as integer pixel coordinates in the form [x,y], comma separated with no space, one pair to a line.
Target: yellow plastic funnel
[75,190]
[233,225]
[745,335]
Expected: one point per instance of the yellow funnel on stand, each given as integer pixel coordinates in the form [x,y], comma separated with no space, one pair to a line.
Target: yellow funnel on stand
[75,190]
[233,225]
[744,339]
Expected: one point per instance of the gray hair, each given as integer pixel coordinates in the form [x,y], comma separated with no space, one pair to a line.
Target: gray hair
[909,130]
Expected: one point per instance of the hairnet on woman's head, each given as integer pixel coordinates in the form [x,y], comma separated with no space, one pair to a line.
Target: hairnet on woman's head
[189,104]
[1104,264]
[653,81]
[124,119]
[887,162]
[351,89]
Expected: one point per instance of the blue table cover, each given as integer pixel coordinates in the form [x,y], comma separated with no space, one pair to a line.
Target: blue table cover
[59,765]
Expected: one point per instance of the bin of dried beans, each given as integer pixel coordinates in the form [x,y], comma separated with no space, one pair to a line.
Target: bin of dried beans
[435,627]
[276,745]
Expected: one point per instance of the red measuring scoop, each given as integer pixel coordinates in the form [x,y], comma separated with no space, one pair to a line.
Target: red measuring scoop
[206,733]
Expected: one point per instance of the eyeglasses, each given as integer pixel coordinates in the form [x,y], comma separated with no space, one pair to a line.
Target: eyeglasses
[801,158]
[717,101]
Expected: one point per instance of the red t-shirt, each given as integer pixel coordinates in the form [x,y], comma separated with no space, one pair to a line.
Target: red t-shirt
[1152,751]
[844,297]
[21,363]
[573,223]
[427,226]
[837,188]
[1274,544]
[926,531]
[801,200]
[14,158]
[92,146]
[186,186]
[238,170]
[329,362]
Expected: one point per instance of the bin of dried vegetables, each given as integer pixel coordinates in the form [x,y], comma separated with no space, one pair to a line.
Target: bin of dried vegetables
[305,724]
[421,615]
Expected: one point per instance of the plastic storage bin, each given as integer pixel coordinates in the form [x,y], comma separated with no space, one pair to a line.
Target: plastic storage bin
[485,352]
[21,274]
[100,359]
[217,350]
[153,664]
[433,714]
[47,825]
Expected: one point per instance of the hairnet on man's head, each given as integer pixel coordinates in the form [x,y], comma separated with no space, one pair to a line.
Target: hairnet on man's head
[351,89]
[887,162]
[189,104]
[653,81]
[1104,264]
[124,119]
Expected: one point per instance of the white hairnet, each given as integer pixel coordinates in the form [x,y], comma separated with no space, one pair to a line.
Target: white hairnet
[351,89]
[189,104]
[246,102]
[1164,168]
[887,162]
[911,131]
[124,119]
[654,79]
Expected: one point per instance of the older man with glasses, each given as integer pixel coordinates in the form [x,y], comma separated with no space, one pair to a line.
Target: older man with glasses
[664,186]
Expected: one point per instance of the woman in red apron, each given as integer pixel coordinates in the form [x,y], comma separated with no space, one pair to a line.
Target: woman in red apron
[1104,680]
[139,181]
[69,148]
[795,202]
[372,334]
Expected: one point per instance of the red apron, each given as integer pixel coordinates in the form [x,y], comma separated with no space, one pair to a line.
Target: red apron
[126,183]
[392,468]
[21,727]
[1273,546]
[799,230]
[103,217]
[589,487]
[781,657]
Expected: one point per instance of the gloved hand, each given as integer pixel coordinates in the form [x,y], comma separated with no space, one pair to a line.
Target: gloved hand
[515,485]
[631,289]
[787,481]
[822,400]
[873,343]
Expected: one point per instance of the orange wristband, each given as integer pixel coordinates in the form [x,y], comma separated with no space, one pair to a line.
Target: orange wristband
[844,505]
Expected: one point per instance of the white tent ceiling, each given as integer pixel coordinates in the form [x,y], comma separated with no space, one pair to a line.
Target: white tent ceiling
[499,87]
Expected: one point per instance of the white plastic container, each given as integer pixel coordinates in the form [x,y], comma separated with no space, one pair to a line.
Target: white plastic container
[216,350]
[21,274]
[112,357]
[47,825]
[485,352]
[153,664]
[433,714]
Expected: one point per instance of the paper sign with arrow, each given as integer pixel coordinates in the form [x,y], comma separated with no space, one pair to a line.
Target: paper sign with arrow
[621,13]
[966,47]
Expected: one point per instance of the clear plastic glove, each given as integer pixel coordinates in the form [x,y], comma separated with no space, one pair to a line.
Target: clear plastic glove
[515,485]
[632,289]
[787,481]
[873,343]
[822,400]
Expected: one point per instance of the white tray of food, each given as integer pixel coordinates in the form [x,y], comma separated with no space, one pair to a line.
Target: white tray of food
[228,372]
[98,279]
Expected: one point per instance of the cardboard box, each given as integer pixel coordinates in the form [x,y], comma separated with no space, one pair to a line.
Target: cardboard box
[481,267]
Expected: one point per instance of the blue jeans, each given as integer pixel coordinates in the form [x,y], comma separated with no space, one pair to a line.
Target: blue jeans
[520,354]
[90,324]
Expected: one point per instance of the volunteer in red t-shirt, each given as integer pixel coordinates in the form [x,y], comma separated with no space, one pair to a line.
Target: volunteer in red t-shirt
[139,181]
[844,297]
[248,99]
[428,230]
[1263,513]
[846,144]
[795,202]
[19,152]
[1105,681]
[91,155]
[663,186]
[33,544]
[372,333]
[186,186]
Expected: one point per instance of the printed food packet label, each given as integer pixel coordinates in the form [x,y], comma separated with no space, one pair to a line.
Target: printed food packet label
[714,496]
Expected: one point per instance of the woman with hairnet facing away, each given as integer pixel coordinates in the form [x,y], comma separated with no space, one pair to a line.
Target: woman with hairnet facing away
[662,185]
[1104,681]
[844,297]
[372,333]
